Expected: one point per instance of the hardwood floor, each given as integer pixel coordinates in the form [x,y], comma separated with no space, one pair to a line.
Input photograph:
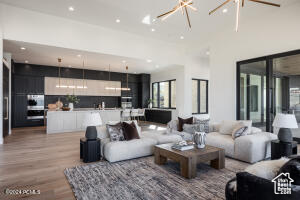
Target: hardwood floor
[31,159]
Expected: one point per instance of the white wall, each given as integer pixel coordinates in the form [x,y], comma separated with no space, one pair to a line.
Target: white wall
[34,27]
[195,67]
[275,33]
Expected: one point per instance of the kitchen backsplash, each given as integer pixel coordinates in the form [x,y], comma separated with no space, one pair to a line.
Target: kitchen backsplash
[86,101]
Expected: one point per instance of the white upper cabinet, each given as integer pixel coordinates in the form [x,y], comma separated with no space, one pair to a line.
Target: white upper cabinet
[64,86]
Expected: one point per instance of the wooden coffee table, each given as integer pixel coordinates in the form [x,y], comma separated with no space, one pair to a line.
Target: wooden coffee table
[188,159]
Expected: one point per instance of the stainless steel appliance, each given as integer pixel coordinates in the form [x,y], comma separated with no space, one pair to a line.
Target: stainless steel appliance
[35,107]
[126,102]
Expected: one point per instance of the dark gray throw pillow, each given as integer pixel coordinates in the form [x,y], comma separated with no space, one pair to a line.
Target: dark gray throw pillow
[115,132]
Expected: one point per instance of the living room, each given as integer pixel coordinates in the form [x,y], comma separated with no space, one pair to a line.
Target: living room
[81,75]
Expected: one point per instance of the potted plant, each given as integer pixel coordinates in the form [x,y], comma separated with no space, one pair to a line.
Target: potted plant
[150,101]
[72,99]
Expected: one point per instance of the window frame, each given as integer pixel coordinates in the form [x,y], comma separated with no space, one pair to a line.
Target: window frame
[158,94]
[199,95]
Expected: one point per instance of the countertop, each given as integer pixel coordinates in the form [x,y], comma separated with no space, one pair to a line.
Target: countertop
[162,109]
[86,110]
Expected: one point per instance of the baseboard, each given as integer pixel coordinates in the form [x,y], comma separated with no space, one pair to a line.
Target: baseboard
[1,140]
[297,140]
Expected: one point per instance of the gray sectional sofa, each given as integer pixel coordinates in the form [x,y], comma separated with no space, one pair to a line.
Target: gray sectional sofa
[253,147]
[125,150]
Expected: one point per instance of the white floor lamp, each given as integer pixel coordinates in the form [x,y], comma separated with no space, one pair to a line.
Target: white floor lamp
[92,120]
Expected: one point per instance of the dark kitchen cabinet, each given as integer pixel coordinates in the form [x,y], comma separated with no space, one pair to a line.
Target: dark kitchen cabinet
[20,111]
[158,116]
[28,84]
[19,114]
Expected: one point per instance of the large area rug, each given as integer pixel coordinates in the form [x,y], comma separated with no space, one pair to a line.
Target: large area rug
[142,179]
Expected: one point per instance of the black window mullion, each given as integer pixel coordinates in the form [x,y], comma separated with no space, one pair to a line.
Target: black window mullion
[198,95]
[169,94]
[158,95]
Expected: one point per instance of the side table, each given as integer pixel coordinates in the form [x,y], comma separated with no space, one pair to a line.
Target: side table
[90,150]
[281,149]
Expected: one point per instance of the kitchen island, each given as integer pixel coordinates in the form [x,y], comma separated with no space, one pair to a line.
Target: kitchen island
[72,121]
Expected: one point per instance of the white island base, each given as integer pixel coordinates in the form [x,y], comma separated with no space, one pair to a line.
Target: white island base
[72,121]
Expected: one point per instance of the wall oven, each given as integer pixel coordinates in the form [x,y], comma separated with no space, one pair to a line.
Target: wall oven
[35,107]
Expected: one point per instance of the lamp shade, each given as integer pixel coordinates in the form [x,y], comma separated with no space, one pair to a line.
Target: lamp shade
[285,121]
[92,119]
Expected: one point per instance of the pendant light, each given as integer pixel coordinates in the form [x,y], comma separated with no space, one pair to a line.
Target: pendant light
[59,75]
[110,88]
[127,88]
[114,88]
[83,86]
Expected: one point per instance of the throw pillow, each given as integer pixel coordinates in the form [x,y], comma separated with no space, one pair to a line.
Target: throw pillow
[204,124]
[115,132]
[135,122]
[191,128]
[172,126]
[227,127]
[181,122]
[239,130]
[247,123]
[255,130]
[293,168]
[130,132]
[102,132]
[267,169]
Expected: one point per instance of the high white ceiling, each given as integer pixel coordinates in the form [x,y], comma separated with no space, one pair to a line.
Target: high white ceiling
[131,13]
[47,55]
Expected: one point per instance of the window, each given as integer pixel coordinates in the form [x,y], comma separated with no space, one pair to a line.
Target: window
[164,94]
[199,96]
[154,94]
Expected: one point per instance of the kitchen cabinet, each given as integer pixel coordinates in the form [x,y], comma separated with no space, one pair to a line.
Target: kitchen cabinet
[20,111]
[72,121]
[28,84]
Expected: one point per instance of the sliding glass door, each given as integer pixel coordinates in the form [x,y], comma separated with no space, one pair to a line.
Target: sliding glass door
[252,84]
[267,86]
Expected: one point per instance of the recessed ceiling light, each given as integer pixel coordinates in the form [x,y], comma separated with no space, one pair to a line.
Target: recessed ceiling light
[118,20]
[123,61]
[71,8]
[157,66]
[207,53]
[79,56]
[154,20]
[23,48]
[181,37]
[26,61]
[225,10]
[149,61]
[147,20]
[152,29]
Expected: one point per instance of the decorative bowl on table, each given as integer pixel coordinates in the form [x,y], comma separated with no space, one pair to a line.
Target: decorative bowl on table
[65,108]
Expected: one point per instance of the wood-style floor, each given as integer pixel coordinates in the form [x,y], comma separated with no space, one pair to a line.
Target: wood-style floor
[31,159]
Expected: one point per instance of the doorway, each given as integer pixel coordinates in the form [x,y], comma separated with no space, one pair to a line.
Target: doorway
[267,86]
